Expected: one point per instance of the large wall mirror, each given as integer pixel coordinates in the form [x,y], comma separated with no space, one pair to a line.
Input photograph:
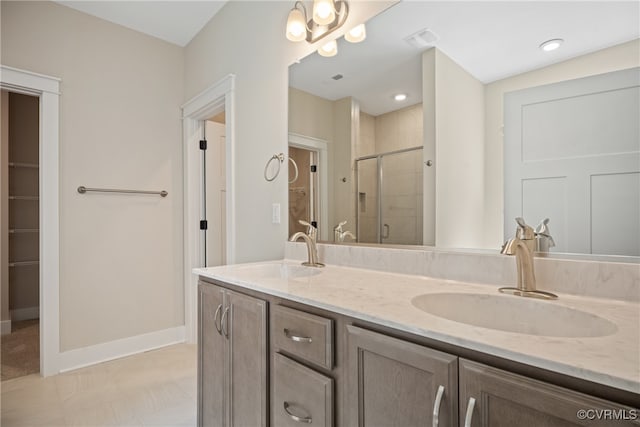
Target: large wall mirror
[490,126]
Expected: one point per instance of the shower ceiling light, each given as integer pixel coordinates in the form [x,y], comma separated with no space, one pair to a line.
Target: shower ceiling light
[400,97]
[328,16]
[550,45]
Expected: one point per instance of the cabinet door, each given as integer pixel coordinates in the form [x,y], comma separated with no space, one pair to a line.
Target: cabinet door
[211,358]
[246,328]
[392,382]
[503,399]
[300,395]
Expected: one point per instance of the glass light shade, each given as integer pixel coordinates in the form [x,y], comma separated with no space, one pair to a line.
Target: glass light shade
[329,49]
[324,12]
[356,34]
[296,27]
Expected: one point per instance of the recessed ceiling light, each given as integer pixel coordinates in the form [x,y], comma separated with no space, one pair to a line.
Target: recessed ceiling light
[400,97]
[550,45]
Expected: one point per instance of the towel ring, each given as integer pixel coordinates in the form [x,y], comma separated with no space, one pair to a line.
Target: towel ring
[279,158]
[295,167]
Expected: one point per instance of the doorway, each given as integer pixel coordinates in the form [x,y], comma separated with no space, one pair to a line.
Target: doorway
[215,191]
[20,235]
[303,185]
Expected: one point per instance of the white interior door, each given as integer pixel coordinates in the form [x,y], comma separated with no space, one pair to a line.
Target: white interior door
[572,154]
[216,194]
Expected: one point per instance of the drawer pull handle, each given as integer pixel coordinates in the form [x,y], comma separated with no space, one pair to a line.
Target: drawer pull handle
[306,420]
[436,405]
[469,415]
[224,327]
[296,338]
[215,319]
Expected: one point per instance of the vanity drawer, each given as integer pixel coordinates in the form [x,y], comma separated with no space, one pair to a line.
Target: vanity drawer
[300,395]
[302,334]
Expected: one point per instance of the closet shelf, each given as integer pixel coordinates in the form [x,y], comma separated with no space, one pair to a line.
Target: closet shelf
[23,263]
[23,230]
[24,198]
[23,165]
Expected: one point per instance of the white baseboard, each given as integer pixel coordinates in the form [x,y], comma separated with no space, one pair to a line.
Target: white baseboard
[25,313]
[86,356]
[5,327]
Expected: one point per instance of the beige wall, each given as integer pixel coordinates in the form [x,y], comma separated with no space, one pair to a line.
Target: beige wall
[4,207]
[120,127]
[259,57]
[459,131]
[341,179]
[310,115]
[626,55]
[399,129]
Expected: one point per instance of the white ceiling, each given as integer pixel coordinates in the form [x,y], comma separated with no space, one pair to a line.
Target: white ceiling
[174,21]
[491,40]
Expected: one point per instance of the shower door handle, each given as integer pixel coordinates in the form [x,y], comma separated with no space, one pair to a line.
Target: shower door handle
[385,231]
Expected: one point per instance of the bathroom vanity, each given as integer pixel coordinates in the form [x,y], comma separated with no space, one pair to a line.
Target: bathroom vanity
[285,345]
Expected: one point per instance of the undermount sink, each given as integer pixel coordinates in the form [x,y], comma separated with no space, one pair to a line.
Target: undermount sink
[515,314]
[281,271]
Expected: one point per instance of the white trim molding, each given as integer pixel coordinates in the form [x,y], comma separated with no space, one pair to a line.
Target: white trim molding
[86,356]
[47,89]
[5,327]
[215,99]
[26,313]
[319,145]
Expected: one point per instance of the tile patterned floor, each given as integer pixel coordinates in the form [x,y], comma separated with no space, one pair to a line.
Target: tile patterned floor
[156,388]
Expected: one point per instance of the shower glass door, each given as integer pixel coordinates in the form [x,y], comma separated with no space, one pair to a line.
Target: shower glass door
[389,198]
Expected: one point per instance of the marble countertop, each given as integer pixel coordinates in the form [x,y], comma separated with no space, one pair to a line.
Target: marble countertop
[385,299]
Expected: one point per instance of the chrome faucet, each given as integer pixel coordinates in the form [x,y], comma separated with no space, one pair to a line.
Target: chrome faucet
[523,246]
[339,234]
[310,239]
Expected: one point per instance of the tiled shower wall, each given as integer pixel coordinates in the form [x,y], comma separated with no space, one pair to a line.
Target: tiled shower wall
[402,187]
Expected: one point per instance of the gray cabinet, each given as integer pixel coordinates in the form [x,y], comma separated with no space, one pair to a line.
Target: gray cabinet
[232,358]
[302,334]
[325,371]
[300,395]
[497,398]
[393,382]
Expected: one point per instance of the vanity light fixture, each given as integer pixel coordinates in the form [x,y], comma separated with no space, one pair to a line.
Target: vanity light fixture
[328,16]
[400,97]
[552,44]
[356,34]
[329,49]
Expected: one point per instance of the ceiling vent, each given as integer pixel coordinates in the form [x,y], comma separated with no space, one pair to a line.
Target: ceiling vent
[421,39]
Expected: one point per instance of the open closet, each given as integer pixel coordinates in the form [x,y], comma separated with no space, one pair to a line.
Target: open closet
[19,194]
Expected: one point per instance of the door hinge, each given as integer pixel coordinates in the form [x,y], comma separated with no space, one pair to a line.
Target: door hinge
[203,144]
[203,224]
[314,168]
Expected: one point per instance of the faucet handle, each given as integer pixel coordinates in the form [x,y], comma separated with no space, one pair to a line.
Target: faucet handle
[339,226]
[524,232]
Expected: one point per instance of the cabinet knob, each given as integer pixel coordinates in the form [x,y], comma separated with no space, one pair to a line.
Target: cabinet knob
[305,420]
